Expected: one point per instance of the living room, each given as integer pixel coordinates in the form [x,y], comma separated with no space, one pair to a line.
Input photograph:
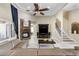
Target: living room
[50,26]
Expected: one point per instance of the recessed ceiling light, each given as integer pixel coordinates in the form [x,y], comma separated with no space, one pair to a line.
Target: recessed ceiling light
[48,7]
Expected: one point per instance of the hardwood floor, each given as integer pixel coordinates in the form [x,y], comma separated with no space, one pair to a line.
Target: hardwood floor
[40,52]
[19,51]
[21,45]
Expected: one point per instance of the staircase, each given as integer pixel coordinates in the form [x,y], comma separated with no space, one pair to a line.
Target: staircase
[66,37]
[65,41]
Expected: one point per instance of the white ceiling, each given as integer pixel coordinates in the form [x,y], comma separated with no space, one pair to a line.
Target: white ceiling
[53,7]
[71,6]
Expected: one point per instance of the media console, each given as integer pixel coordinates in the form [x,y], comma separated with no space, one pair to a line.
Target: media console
[43,35]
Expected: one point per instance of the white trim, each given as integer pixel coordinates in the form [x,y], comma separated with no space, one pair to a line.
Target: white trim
[7,40]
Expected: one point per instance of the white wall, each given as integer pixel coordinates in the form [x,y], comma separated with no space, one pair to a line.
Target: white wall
[73,17]
[65,25]
[5,11]
[45,20]
[59,16]
[23,15]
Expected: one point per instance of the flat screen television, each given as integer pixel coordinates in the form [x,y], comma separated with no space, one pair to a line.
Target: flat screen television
[43,28]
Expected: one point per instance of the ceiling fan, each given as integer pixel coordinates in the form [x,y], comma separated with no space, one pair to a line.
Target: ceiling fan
[37,9]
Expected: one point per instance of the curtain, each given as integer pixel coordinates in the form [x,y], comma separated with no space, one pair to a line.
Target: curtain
[15,18]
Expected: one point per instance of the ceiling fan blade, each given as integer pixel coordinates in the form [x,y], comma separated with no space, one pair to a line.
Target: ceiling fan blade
[34,14]
[45,9]
[36,6]
[29,10]
[41,13]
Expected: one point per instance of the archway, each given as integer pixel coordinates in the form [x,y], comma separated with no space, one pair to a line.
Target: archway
[75,28]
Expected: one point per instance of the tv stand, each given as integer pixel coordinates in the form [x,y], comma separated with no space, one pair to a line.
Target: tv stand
[43,35]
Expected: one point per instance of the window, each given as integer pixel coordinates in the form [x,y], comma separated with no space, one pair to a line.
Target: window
[6,31]
[3,31]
